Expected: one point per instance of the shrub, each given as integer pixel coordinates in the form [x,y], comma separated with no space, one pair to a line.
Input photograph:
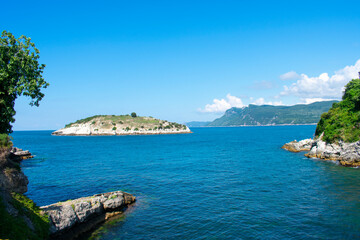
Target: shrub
[341,122]
[136,129]
[114,124]
[133,114]
[121,122]
[114,128]
[127,129]
[15,227]
[93,122]
[5,140]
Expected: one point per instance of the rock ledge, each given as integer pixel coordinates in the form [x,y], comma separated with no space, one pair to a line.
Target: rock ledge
[346,154]
[71,218]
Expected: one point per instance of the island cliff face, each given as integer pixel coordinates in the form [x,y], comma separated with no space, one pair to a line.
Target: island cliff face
[337,135]
[121,125]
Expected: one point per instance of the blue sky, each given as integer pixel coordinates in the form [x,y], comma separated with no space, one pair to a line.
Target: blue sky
[183,60]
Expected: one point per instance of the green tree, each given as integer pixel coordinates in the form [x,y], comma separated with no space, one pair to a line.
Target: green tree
[133,114]
[342,121]
[20,74]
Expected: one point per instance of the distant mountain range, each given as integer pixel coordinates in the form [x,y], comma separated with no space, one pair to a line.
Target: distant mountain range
[255,115]
[197,124]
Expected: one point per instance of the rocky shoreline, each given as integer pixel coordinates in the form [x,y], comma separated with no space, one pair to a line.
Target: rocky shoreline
[60,133]
[106,125]
[72,218]
[67,219]
[88,130]
[346,154]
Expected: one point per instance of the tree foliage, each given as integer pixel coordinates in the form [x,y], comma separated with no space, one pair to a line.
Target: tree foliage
[342,121]
[133,114]
[20,74]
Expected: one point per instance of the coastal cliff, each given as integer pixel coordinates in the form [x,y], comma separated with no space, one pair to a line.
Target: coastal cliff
[121,125]
[337,135]
[22,219]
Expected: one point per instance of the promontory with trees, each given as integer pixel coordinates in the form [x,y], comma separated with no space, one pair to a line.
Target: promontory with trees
[337,135]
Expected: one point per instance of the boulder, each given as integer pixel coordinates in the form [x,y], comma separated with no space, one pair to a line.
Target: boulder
[295,146]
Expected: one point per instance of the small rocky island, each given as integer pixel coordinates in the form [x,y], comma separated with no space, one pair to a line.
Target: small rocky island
[121,125]
[337,135]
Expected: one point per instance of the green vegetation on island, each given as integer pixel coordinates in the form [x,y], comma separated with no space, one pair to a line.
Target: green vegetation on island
[342,121]
[121,125]
[254,115]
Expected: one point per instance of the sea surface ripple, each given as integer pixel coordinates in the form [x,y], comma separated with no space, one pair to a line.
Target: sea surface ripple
[217,183]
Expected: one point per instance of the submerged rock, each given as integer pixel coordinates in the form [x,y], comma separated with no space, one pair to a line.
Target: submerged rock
[71,218]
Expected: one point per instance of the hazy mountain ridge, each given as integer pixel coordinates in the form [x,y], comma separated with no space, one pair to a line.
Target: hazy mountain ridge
[255,115]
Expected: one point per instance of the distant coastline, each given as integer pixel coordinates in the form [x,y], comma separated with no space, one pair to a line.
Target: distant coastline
[268,125]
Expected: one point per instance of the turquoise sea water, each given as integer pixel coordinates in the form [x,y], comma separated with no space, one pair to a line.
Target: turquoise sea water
[217,183]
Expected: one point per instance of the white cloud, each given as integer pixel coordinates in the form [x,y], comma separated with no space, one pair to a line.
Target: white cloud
[222,105]
[312,100]
[261,101]
[323,86]
[292,75]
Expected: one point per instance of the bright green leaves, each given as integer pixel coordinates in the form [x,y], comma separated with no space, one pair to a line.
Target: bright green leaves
[20,74]
[342,121]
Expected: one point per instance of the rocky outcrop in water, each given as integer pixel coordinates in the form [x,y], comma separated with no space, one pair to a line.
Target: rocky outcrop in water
[295,146]
[18,154]
[346,154]
[71,218]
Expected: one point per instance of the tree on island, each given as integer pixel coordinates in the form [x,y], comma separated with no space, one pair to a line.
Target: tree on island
[133,114]
[20,74]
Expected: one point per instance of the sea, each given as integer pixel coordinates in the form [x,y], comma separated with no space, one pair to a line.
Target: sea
[216,183]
